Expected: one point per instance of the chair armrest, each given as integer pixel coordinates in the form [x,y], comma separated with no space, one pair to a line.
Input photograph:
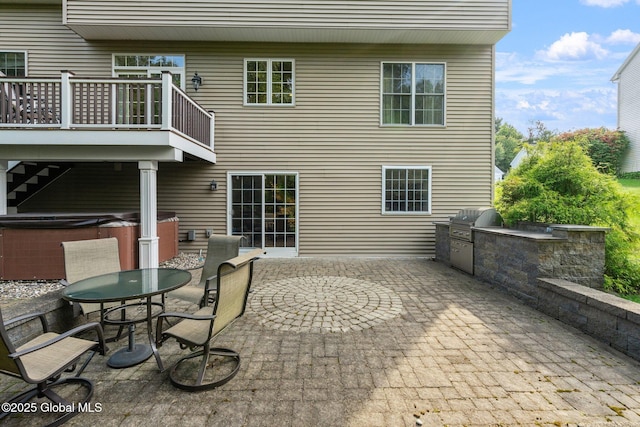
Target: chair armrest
[207,282]
[71,332]
[43,320]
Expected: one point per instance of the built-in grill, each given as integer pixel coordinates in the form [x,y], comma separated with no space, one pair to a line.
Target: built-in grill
[461,234]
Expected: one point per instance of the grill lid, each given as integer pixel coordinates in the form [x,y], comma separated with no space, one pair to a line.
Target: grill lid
[478,217]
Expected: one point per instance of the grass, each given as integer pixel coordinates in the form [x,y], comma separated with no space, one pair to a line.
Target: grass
[631,184]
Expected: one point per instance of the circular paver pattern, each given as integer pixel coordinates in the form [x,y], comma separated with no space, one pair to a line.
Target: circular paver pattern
[324,304]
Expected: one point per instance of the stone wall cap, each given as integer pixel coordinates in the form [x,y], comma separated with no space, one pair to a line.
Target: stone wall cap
[575,227]
[533,235]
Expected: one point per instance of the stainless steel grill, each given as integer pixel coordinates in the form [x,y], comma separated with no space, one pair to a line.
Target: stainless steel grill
[461,234]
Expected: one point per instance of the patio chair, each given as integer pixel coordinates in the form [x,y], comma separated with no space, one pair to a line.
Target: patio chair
[88,258]
[219,249]
[200,328]
[43,359]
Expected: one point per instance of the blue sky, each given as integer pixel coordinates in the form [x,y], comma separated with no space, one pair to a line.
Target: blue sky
[557,62]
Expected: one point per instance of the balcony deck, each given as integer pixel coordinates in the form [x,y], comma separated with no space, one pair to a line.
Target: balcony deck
[73,119]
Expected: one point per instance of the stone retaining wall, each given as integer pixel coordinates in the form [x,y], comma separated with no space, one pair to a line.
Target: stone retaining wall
[604,316]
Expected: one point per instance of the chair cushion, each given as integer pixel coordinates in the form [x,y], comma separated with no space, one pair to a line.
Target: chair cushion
[45,363]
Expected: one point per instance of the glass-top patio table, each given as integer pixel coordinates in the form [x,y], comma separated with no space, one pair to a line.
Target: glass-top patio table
[125,286]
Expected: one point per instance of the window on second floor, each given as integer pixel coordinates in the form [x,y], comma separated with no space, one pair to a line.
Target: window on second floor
[413,93]
[269,82]
[13,64]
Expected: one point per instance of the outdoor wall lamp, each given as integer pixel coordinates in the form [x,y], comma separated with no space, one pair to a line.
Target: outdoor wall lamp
[197,81]
[214,185]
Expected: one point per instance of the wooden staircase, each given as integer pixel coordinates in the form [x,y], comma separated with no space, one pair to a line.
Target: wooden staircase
[27,178]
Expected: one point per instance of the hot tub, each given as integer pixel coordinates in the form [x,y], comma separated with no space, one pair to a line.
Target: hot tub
[30,243]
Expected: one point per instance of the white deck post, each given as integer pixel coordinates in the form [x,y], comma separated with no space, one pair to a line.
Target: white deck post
[212,125]
[4,167]
[148,242]
[167,101]
[65,100]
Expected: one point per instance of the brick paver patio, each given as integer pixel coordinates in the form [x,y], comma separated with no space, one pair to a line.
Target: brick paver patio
[379,342]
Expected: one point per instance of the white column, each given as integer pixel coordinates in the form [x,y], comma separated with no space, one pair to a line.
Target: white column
[148,243]
[65,100]
[4,167]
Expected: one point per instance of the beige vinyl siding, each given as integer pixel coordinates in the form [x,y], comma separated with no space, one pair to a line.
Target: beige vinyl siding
[332,138]
[25,28]
[458,14]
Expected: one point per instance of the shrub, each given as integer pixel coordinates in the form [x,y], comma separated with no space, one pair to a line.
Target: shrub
[605,147]
[630,175]
[557,183]
[622,273]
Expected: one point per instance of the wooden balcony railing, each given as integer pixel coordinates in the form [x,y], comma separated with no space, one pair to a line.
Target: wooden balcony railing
[116,103]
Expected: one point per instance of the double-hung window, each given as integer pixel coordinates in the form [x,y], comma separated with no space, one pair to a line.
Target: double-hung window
[269,82]
[406,189]
[13,64]
[413,93]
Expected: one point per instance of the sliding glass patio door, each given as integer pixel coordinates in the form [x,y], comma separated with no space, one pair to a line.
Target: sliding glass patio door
[264,209]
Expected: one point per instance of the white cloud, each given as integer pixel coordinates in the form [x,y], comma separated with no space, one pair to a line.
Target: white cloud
[573,47]
[623,37]
[604,3]
[511,68]
[560,110]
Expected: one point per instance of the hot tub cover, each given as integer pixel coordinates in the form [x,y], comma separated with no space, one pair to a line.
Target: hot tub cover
[73,220]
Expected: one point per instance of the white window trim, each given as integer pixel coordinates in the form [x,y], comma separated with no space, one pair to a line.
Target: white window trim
[150,70]
[26,58]
[269,82]
[413,94]
[384,189]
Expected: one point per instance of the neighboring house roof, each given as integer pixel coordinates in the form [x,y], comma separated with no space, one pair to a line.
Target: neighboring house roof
[497,173]
[518,158]
[632,55]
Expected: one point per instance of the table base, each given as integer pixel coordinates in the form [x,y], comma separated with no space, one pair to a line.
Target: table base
[126,357]
[131,355]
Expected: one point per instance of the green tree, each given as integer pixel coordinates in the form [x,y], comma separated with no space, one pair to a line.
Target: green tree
[605,147]
[508,142]
[538,132]
[557,183]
